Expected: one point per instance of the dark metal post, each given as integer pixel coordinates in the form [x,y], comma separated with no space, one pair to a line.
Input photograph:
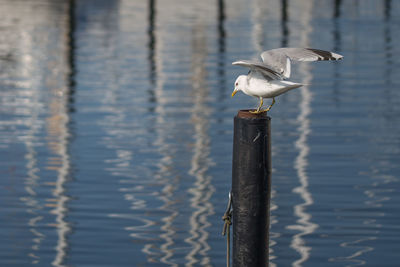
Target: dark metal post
[251,189]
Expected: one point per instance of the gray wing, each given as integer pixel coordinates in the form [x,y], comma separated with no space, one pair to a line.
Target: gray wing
[279,59]
[264,69]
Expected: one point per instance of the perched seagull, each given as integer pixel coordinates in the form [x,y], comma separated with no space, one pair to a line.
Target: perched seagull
[267,79]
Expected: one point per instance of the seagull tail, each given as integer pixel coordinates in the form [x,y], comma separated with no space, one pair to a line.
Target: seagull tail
[292,85]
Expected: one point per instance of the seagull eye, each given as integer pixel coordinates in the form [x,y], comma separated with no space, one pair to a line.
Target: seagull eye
[236,84]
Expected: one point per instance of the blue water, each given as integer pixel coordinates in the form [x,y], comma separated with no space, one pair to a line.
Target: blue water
[116,131]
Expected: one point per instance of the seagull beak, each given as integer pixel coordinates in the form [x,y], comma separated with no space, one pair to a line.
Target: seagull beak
[234,92]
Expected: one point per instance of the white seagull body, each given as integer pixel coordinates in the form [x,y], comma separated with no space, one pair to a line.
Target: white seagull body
[267,79]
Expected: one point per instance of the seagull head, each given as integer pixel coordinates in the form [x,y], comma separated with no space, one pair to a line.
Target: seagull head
[240,84]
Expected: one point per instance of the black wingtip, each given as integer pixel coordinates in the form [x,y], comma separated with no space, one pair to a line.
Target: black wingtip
[326,55]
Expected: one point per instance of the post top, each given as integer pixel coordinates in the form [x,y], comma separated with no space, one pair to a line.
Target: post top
[246,114]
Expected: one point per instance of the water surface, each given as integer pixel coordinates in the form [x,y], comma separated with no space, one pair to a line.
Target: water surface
[116,131]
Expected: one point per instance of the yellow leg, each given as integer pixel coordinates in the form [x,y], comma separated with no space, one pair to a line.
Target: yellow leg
[273,102]
[261,103]
[259,107]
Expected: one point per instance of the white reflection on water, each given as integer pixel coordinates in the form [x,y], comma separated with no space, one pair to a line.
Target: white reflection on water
[202,189]
[360,250]
[58,141]
[38,87]
[30,139]
[259,10]
[32,182]
[165,165]
[158,177]
[304,224]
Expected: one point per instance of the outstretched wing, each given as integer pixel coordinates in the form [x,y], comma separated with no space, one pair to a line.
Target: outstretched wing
[264,69]
[278,59]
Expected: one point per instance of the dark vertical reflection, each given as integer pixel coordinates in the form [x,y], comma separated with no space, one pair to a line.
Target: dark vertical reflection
[387,7]
[221,52]
[71,55]
[151,53]
[284,23]
[388,38]
[336,10]
[336,30]
[388,42]
[284,28]
[337,43]
[221,26]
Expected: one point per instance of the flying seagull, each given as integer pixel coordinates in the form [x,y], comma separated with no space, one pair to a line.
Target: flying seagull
[266,79]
